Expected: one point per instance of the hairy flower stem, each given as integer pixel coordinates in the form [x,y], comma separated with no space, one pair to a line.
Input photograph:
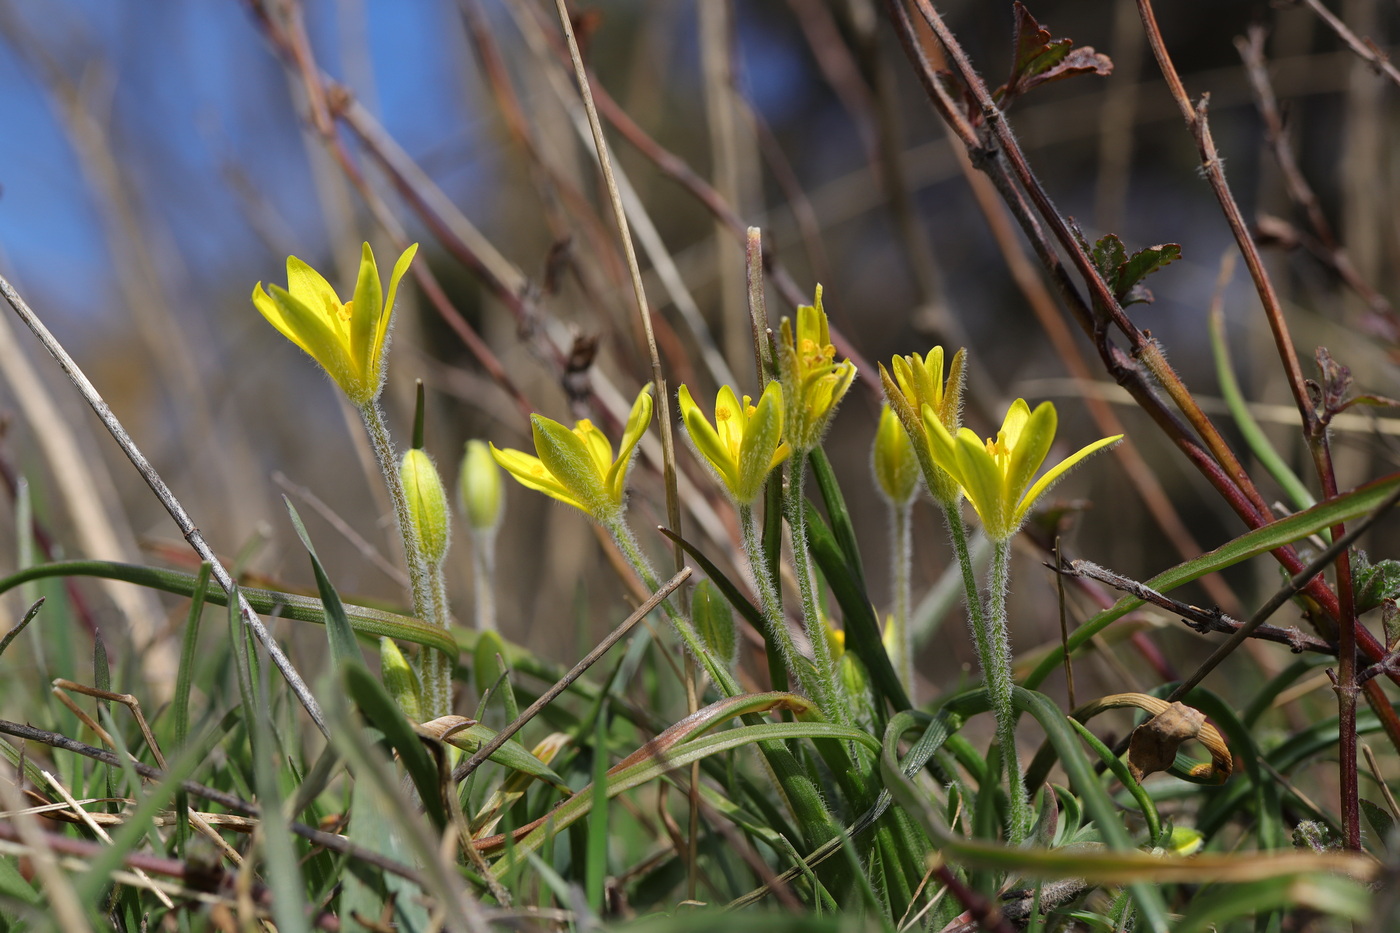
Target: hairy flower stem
[484,574]
[436,668]
[994,657]
[769,603]
[626,542]
[901,639]
[825,680]
[994,648]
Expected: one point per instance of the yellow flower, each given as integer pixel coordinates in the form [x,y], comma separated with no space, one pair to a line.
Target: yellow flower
[995,475]
[918,382]
[577,466]
[348,339]
[813,382]
[745,443]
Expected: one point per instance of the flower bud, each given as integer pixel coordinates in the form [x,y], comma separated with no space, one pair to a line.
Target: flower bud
[896,467]
[480,487]
[400,679]
[427,504]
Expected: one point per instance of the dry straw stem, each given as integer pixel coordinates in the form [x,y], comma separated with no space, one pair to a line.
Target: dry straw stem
[62,898]
[86,819]
[332,841]
[167,499]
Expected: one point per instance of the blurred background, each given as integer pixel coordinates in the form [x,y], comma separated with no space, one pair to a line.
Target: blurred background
[161,158]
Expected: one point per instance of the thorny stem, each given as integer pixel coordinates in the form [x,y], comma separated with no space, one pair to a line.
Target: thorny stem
[436,670]
[769,603]
[825,680]
[901,639]
[1346,687]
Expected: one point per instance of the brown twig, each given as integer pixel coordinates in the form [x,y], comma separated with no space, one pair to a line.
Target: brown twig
[995,150]
[1323,243]
[1364,48]
[1202,620]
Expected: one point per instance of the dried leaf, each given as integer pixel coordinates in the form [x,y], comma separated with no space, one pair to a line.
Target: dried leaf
[1154,743]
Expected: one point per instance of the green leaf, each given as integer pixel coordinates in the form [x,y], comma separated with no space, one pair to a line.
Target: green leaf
[490,675]
[714,621]
[1040,59]
[1109,255]
[367,622]
[841,525]
[1254,436]
[283,869]
[511,755]
[862,629]
[13,885]
[1338,898]
[1139,266]
[1374,583]
[726,586]
[1380,819]
[380,710]
[1124,273]
[344,650]
[645,766]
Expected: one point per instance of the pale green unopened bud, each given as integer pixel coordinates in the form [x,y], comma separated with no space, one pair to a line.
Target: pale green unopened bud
[480,487]
[896,467]
[714,621]
[427,504]
[400,679]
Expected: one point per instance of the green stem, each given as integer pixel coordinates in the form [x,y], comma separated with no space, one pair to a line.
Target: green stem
[994,656]
[994,647]
[626,542]
[437,667]
[769,603]
[484,576]
[437,689]
[825,680]
[901,640]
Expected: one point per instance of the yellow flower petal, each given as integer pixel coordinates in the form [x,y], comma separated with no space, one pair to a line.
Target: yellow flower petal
[576,466]
[744,445]
[995,474]
[532,474]
[348,339]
